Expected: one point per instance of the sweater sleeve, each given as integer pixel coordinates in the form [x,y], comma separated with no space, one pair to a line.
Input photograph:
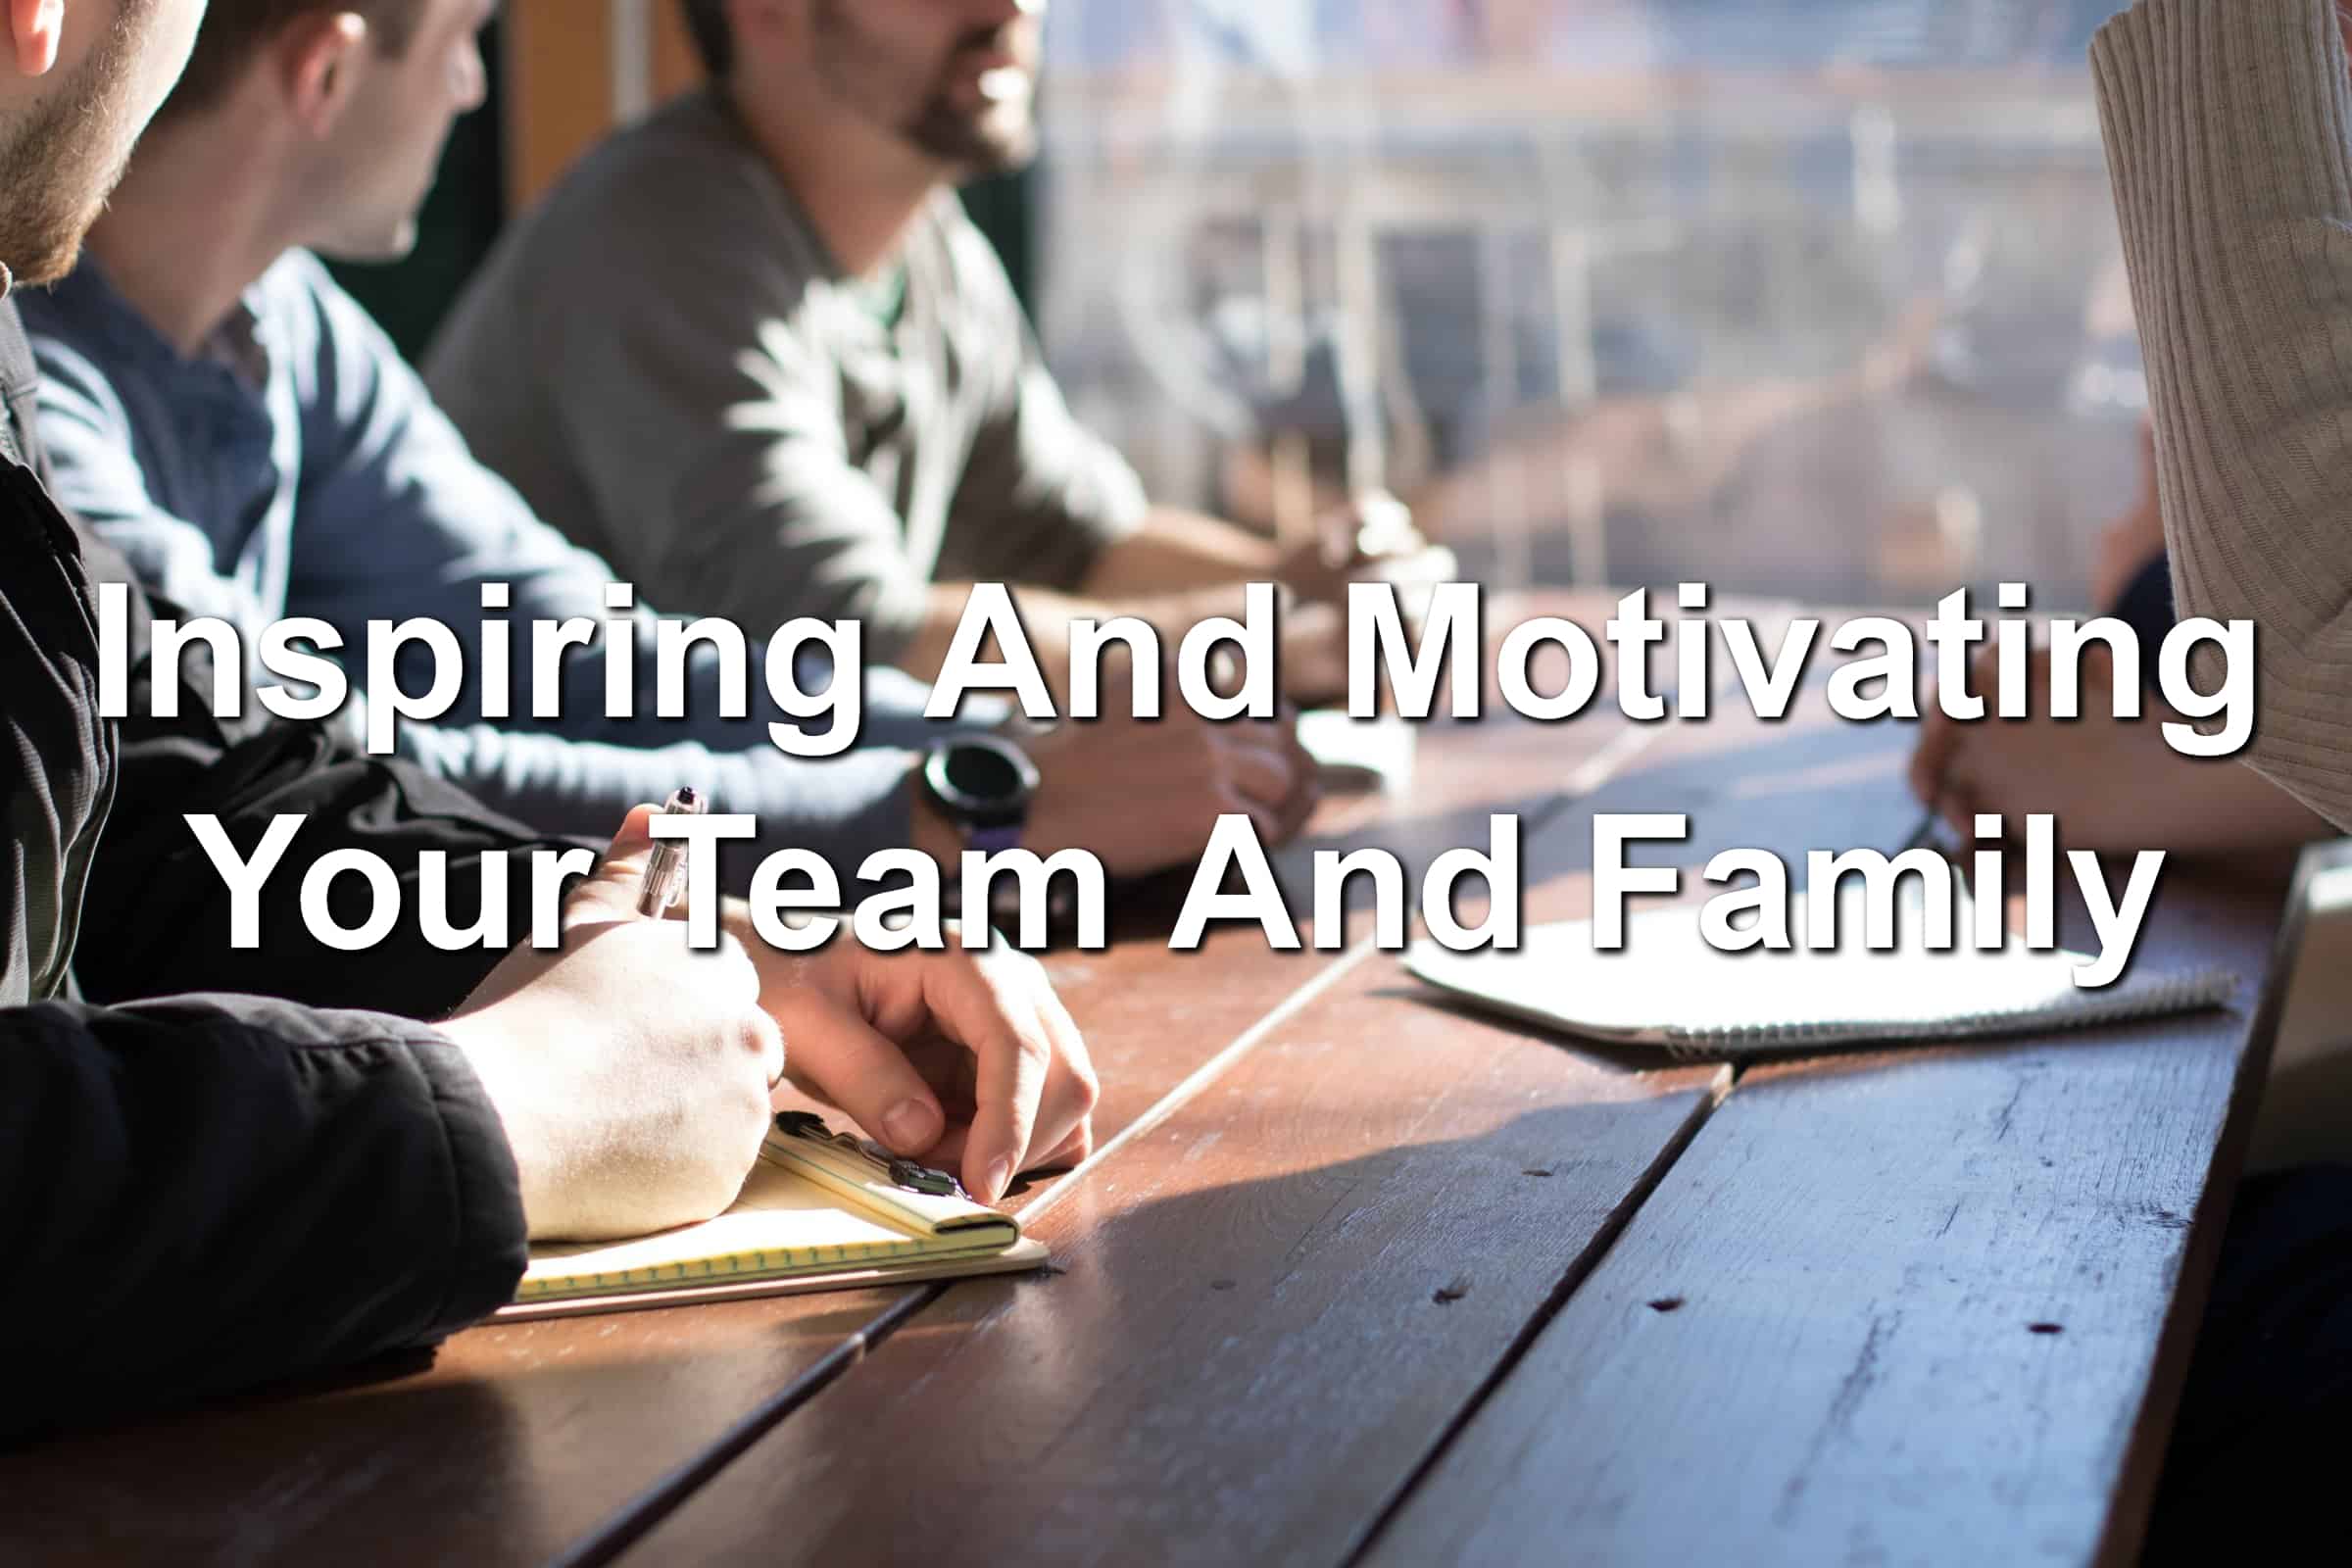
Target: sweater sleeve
[2229,131]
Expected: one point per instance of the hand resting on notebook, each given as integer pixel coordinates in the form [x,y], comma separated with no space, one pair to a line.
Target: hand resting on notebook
[964,1060]
[634,1075]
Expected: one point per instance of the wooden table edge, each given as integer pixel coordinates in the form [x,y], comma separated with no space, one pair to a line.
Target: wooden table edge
[2134,1497]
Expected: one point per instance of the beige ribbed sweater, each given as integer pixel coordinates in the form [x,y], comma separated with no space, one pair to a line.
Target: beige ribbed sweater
[2228,126]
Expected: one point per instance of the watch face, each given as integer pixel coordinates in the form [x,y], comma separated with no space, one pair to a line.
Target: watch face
[986,782]
[983,774]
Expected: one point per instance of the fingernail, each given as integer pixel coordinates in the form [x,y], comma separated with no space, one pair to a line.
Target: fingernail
[908,1126]
[1000,1177]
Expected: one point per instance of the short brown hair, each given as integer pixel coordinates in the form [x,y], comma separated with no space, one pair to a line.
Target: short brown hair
[714,40]
[233,30]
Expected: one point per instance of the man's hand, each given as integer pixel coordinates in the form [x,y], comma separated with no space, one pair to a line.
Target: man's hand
[632,1073]
[955,1058]
[2114,785]
[1371,540]
[1314,654]
[1314,645]
[1143,795]
[2015,767]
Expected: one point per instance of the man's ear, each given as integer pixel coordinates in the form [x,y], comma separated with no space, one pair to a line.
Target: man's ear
[36,27]
[317,59]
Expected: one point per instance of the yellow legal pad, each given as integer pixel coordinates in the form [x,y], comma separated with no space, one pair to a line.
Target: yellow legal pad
[819,1211]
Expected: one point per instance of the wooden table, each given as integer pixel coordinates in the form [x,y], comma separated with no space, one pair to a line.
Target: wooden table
[1359,1278]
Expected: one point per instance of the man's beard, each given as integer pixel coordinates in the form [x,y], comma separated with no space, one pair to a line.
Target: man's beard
[57,168]
[988,140]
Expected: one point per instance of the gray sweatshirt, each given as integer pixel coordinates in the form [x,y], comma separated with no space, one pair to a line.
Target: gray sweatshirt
[663,355]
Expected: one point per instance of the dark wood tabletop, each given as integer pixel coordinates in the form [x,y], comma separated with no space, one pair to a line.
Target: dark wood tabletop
[1360,1277]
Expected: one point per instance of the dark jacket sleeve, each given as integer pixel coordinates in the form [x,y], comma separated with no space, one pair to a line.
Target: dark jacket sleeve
[208,1192]
[156,915]
[200,1193]
[157,910]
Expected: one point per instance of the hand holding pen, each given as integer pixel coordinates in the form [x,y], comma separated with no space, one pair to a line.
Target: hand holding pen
[633,1079]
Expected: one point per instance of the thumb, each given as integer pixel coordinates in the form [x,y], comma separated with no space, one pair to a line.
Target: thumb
[611,888]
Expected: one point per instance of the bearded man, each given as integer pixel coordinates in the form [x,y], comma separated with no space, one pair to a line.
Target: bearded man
[753,352]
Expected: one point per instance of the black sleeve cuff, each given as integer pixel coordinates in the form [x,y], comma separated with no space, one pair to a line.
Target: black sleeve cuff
[490,1243]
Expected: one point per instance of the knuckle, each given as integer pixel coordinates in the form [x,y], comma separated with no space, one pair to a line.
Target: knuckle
[753,1034]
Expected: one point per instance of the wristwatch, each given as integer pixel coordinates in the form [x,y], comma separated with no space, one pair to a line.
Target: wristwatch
[984,784]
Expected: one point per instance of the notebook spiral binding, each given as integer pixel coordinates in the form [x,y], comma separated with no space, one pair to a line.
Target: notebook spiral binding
[2181,993]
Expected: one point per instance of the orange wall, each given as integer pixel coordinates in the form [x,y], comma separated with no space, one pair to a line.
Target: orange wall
[559,81]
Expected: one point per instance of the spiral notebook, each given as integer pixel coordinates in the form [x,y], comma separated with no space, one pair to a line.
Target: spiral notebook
[1667,986]
[821,1210]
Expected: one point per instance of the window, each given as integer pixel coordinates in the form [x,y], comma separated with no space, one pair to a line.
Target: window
[1816,297]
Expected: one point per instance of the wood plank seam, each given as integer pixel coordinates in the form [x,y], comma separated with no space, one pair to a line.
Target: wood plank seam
[1718,1092]
[1726,1083]
[606,1542]
[2118,1530]
[655,1503]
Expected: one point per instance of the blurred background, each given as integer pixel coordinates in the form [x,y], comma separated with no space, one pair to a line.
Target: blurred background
[1816,297]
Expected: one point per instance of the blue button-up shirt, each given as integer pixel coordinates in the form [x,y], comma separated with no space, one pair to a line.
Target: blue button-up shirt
[297,466]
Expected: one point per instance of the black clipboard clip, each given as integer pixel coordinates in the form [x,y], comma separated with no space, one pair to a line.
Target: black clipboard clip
[903,1173]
